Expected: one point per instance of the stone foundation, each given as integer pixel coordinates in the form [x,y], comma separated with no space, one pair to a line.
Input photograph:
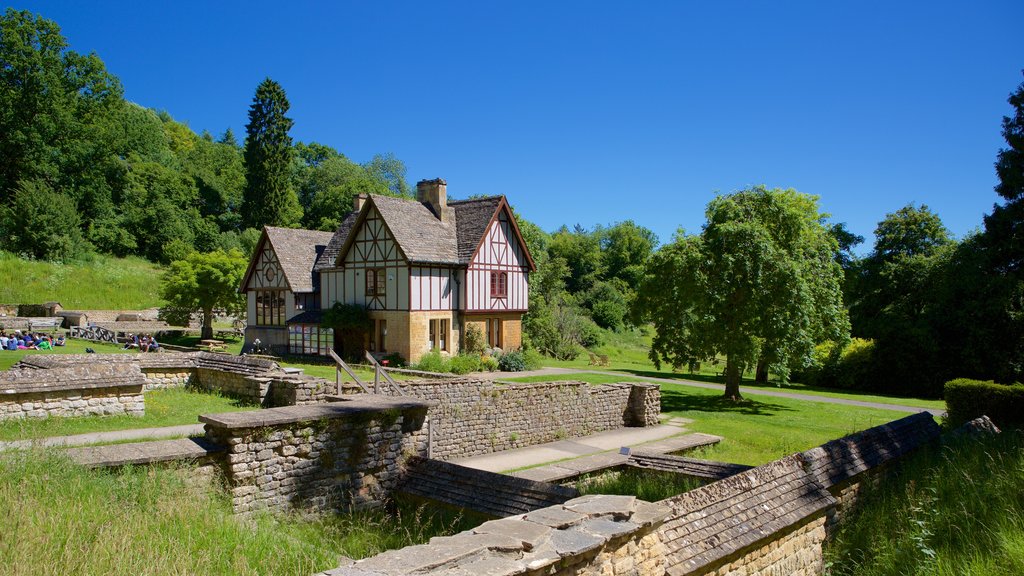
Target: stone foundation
[98,391]
[341,456]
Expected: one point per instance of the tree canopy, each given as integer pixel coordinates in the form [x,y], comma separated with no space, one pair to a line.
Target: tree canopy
[269,198]
[759,281]
[201,283]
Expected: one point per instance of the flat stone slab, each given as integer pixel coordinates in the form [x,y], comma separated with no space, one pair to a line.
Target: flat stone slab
[577,467]
[143,452]
[355,404]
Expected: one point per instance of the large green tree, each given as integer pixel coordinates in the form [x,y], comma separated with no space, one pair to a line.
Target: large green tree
[269,197]
[203,283]
[759,281]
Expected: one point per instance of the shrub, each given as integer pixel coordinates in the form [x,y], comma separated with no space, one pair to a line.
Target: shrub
[532,359]
[513,361]
[433,362]
[394,360]
[489,363]
[968,399]
[846,367]
[474,339]
[465,363]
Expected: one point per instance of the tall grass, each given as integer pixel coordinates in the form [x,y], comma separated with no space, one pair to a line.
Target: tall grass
[951,510]
[96,282]
[62,519]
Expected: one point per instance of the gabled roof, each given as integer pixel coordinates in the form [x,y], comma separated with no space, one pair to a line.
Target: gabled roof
[296,252]
[473,217]
[329,256]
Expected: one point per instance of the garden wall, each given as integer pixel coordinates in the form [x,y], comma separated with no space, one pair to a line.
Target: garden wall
[474,416]
[339,456]
[72,391]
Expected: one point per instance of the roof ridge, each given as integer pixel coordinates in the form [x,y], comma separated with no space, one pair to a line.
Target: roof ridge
[482,199]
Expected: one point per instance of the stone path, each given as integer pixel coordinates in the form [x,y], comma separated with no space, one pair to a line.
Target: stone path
[102,437]
[747,391]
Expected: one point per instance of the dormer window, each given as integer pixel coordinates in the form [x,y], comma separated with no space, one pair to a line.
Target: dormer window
[499,284]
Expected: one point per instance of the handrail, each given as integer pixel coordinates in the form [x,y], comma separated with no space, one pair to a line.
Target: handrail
[379,371]
[340,365]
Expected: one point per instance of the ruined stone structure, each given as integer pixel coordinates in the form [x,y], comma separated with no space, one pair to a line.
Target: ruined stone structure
[72,391]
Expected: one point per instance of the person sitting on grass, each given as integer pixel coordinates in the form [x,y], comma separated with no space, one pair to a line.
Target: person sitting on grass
[44,344]
[12,343]
[149,344]
[133,342]
[3,340]
[60,341]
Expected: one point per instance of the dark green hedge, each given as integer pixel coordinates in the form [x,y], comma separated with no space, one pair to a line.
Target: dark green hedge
[968,399]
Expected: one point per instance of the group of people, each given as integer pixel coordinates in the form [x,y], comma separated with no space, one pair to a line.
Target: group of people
[29,341]
[143,343]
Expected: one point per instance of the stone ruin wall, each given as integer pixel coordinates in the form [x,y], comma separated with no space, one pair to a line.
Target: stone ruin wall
[474,417]
[76,391]
[322,458]
[795,553]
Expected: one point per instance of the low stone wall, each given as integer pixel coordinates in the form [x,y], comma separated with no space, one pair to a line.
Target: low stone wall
[474,417]
[82,391]
[591,535]
[160,378]
[339,456]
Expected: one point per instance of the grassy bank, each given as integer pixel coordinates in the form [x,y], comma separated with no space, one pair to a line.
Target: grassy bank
[62,519]
[97,283]
[649,485]
[951,510]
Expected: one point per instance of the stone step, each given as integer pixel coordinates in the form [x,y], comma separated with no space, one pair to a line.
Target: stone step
[143,452]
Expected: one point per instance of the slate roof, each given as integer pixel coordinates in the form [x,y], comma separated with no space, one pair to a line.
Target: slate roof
[422,237]
[297,251]
[472,217]
[330,254]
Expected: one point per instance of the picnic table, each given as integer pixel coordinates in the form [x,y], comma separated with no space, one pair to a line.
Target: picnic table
[212,345]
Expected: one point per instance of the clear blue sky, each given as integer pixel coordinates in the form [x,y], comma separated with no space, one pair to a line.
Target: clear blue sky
[597,112]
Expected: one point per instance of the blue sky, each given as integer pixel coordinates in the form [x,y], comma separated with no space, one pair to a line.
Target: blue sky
[597,112]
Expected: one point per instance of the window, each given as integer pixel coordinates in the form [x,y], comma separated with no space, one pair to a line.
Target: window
[494,332]
[309,339]
[499,284]
[376,282]
[269,308]
[378,336]
[439,334]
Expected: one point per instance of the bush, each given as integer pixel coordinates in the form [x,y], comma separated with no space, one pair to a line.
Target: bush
[847,367]
[489,363]
[433,362]
[968,399]
[513,361]
[474,339]
[533,359]
[465,363]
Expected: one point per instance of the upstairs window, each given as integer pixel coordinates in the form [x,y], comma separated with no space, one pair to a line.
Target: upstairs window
[499,284]
[376,282]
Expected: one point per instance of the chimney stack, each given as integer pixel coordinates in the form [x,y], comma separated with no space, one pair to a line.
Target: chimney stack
[360,199]
[434,193]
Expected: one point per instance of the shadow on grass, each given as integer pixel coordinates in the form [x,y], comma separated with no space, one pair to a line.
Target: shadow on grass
[674,401]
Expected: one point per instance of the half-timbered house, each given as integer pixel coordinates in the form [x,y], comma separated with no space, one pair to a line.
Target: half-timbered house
[425,269]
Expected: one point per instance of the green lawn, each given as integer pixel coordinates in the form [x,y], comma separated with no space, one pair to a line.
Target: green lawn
[96,283]
[169,407]
[8,357]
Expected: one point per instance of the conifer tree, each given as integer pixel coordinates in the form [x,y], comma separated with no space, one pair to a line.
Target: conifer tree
[269,198]
[228,138]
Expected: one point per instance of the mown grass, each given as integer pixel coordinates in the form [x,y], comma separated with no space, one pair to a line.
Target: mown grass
[95,283]
[950,510]
[168,407]
[62,519]
[649,485]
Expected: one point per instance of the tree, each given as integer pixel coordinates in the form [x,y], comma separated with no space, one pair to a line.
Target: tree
[269,198]
[625,249]
[46,223]
[759,281]
[202,283]
[909,231]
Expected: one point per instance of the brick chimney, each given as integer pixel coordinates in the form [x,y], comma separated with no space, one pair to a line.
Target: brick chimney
[434,193]
[359,200]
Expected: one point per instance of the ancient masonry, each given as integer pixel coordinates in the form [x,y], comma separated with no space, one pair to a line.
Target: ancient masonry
[102,390]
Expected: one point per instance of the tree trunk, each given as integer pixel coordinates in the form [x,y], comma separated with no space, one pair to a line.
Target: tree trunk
[732,379]
[761,374]
[207,333]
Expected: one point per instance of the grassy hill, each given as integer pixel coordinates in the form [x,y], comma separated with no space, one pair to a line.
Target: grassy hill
[95,283]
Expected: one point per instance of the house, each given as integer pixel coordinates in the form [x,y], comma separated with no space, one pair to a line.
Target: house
[425,269]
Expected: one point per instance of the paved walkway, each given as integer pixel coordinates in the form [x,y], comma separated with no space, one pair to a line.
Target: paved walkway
[115,436]
[747,390]
[574,448]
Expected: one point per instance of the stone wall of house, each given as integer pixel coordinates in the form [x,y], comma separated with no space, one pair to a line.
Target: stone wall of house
[339,456]
[74,391]
[589,536]
[474,417]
